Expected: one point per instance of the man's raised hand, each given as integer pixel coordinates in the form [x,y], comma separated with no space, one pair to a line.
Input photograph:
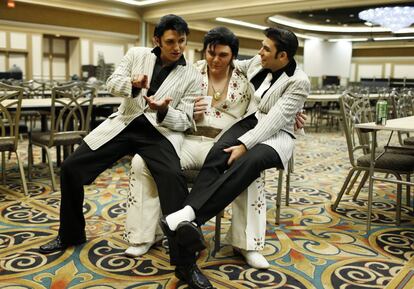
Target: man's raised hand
[158,105]
[140,81]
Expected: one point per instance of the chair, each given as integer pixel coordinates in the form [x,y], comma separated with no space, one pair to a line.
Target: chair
[69,122]
[289,170]
[32,89]
[10,106]
[402,106]
[356,109]
[190,176]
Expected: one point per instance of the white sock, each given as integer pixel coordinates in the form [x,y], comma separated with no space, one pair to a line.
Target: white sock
[185,214]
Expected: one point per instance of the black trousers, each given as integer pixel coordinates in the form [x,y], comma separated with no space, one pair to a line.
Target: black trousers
[84,165]
[217,184]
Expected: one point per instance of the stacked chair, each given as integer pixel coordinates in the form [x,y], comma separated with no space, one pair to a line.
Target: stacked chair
[70,118]
[10,107]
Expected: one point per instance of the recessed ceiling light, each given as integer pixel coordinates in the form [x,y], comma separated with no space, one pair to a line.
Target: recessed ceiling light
[259,27]
[292,23]
[328,20]
[351,15]
[140,2]
[393,38]
[310,15]
[241,23]
[347,39]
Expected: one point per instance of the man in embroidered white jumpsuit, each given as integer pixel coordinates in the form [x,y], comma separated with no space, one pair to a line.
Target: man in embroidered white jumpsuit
[248,228]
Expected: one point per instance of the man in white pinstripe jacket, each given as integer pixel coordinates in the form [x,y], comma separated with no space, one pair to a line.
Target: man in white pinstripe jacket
[263,139]
[159,90]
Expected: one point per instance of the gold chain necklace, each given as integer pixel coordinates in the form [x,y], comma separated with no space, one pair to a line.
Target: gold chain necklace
[216,93]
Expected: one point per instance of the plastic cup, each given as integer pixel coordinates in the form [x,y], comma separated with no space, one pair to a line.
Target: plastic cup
[208,99]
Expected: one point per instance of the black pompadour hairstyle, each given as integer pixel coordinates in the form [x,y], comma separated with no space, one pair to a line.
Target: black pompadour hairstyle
[224,36]
[284,40]
[171,22]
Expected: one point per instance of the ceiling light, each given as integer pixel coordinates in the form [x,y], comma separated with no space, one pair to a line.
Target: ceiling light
[279,19]
[393,18]
[347,39]
[393,38]
[241,23]
[304,36]
[140,2]
[260,27]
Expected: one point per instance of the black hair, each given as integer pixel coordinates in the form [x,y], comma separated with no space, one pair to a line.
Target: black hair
[224,36]
[171,22]
[284,40]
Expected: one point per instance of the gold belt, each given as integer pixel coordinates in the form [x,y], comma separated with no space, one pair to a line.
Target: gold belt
[207,131]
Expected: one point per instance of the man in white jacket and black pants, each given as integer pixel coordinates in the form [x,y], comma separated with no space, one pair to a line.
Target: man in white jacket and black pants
[263,139]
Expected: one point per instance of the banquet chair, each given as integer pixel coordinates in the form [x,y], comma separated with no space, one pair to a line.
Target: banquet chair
[403,106]
[10,107]
[71,110]
[33,89]
[191,175]
[356,109]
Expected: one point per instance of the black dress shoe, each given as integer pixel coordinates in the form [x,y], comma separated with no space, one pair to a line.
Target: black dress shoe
[190,237]
[193,277]
[164,227]
[57,245]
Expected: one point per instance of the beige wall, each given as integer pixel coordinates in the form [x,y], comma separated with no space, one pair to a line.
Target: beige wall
[25,44]
[67,18]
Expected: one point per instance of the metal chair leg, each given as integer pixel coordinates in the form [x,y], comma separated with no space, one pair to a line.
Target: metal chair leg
[289,171]
[217,234]
[408,201]
[344,186]
[52,173]
[287,188]
[279,196]
[30,160]
[20,164]
[361,185]
[352,183]
[399,201]
[3,167]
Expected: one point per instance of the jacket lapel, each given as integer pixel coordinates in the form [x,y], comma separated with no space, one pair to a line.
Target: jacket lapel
[168,84]
[277,85]
[147,67]
[149,63]
[255,71]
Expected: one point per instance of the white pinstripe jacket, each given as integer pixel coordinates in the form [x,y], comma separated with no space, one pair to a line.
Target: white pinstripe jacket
[183,84]
[276,110]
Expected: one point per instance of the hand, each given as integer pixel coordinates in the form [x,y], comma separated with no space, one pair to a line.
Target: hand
[200,107]
[300,120]
[158,105]
[235,153]
[140,81]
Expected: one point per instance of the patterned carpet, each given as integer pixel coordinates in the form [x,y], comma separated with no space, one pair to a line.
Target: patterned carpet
[313,247]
